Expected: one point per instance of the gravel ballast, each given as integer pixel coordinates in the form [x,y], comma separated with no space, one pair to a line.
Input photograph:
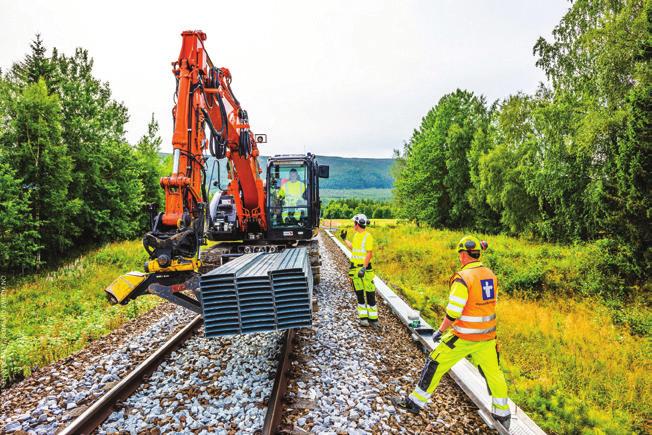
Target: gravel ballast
[343,374]
[340,380]
[208,386]
[55,394]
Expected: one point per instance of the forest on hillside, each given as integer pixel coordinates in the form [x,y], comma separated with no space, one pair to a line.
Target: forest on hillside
[346,173]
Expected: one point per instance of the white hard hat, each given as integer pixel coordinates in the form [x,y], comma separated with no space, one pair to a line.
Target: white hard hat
[361,220]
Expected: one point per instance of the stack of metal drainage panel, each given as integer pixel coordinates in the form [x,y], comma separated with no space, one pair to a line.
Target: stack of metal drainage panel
[258,292]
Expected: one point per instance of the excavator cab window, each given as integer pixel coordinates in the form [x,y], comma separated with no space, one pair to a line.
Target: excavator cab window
[289,195]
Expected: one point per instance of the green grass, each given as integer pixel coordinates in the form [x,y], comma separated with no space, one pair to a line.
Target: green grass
[371,193]
[49,316]
[576,360]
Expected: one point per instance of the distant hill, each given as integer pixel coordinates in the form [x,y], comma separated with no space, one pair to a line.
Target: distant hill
[357,173]
[345,172]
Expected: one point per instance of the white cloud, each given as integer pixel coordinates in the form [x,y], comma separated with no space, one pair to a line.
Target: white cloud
[337,77]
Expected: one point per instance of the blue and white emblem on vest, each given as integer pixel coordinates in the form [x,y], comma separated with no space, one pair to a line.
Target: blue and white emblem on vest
[488,291]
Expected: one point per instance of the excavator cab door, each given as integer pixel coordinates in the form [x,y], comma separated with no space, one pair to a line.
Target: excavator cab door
[293,196]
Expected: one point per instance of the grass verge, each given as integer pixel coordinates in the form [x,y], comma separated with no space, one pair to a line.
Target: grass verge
[571,360]
[48,316]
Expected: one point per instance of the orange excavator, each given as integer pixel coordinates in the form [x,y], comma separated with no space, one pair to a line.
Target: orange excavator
[247,215]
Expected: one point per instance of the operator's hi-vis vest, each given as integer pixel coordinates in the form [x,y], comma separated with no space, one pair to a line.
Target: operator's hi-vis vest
[360,244]
[478,319]
[292,190]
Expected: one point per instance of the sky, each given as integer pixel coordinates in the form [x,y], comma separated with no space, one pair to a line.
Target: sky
[346,78]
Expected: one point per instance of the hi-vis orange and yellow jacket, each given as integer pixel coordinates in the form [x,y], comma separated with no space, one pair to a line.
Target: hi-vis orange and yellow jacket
[472,302]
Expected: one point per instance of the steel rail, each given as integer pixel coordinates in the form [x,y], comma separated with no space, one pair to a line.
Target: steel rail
[464,373]
[95,415]
[275,403]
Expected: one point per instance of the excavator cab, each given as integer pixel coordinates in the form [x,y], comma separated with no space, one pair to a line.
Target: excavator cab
[293,204]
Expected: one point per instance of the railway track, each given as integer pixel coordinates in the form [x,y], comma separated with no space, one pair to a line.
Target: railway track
[463,373]
[94,418]
[334,377]
[95,415]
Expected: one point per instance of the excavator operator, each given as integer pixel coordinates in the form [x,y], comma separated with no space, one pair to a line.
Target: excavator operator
[292,193]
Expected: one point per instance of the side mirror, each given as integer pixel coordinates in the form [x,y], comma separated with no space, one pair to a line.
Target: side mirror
[324,171]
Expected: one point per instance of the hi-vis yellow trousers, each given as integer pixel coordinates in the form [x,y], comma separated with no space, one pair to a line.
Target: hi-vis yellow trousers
[365,292]
[452,349]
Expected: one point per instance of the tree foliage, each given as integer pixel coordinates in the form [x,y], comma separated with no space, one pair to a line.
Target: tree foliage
[569,163]
[347,208]
[63,136]
[433,179]
[151,167]
[19,237]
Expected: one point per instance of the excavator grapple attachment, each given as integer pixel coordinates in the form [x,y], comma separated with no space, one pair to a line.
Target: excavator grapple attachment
[169,285]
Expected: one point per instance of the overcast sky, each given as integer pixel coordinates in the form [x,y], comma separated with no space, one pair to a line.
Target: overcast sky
[349,78]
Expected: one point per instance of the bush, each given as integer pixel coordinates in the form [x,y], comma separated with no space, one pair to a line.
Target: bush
[608,269]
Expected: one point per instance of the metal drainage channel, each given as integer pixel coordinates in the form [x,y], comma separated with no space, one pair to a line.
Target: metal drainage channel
[95,415]
[464,373]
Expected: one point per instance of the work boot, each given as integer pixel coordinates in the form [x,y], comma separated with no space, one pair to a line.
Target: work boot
[374,324]
[363,322]
[406,403]
[504,421]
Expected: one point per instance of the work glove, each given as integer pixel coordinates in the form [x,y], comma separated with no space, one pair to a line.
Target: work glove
[361,272]
[436,337]
[343,234]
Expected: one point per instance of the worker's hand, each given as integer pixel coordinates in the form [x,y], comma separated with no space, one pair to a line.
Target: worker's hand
[361,272]
[436,337]
[343,234]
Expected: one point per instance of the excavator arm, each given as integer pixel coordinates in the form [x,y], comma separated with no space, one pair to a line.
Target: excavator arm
[205,101]
[207,118]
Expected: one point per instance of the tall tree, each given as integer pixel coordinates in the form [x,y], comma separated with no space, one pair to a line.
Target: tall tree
[150,163]
[32,145]
[36,65]
[598,62]
[105,174]
[64,137]
[433,180]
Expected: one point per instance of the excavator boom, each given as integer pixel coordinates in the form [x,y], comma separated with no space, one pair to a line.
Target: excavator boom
[210,123]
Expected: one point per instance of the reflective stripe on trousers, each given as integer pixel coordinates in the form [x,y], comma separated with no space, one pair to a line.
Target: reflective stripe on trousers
[373,311]
[420,397]
[500,406]
[362,311]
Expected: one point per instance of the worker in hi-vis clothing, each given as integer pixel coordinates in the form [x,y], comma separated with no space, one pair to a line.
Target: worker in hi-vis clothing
[471,311]
[361,272]
[292,192]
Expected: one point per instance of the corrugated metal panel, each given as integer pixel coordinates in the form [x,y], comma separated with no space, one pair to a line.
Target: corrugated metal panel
[258,292]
